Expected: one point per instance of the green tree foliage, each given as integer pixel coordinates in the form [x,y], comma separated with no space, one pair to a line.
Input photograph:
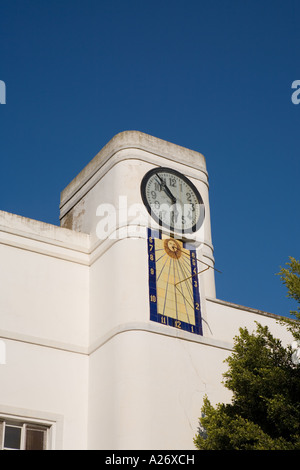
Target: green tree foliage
[290,276]
[265,410]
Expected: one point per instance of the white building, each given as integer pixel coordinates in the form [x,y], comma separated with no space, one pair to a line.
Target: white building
[111,334]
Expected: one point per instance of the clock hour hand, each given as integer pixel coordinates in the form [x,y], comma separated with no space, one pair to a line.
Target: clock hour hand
[165,188]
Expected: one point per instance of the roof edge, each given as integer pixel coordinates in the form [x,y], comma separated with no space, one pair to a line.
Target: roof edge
[138,140]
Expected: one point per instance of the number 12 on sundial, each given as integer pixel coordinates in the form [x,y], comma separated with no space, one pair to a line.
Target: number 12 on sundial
[173,283]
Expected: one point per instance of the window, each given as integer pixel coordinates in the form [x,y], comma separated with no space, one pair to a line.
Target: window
[16,435]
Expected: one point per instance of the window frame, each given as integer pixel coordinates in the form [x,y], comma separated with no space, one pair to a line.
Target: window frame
[54,421]
[24,425]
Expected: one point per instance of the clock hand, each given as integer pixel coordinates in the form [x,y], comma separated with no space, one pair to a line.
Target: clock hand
[165,188]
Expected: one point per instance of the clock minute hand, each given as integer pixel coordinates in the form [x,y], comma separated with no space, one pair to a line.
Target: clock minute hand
[165,188]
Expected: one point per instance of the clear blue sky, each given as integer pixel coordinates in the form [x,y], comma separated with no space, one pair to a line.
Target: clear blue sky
[214,76]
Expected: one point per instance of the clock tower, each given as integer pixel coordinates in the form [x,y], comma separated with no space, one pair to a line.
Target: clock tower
[144,203]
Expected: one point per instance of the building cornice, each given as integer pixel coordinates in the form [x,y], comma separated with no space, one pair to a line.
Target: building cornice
[116,150]
[246,309]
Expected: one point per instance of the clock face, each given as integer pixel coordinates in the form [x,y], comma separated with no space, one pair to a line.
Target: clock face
[172,200]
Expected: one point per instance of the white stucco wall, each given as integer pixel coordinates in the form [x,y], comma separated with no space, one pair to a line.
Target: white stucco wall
[225,319]
[44,312]
[147,390]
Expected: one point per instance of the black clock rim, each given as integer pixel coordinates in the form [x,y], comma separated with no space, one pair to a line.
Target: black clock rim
[200,220]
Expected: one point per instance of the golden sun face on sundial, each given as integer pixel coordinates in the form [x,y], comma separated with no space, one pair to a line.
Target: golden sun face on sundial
[172,248]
